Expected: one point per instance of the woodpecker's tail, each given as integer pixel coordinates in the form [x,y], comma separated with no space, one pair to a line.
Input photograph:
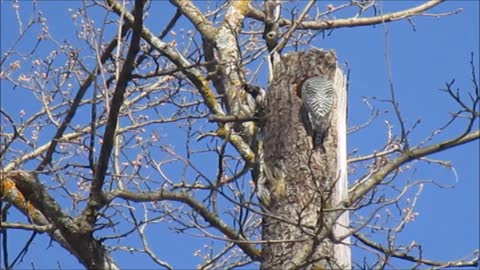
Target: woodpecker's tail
[319,140]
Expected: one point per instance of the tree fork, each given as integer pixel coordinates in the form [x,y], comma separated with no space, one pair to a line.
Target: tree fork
[304,185]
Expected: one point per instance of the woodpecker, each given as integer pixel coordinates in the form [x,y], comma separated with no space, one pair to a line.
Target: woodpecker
[318,95]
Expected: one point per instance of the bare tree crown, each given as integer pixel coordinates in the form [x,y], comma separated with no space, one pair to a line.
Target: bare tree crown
[128,122]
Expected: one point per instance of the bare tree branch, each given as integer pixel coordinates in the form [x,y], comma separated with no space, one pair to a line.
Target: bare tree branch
[405,256]
[361,188]
[210,217]
[96,201]
[352,22]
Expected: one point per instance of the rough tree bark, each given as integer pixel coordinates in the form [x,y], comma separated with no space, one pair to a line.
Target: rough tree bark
[303,185]
[24,191]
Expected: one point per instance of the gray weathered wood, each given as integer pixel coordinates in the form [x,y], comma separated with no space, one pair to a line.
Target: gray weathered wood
[303,183]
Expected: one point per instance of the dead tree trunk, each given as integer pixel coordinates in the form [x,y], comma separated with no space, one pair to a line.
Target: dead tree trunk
[302,186]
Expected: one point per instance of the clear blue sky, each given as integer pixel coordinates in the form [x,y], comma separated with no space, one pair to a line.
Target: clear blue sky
[421,60]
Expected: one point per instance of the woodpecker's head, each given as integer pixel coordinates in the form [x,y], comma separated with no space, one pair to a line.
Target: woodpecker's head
[298,88]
